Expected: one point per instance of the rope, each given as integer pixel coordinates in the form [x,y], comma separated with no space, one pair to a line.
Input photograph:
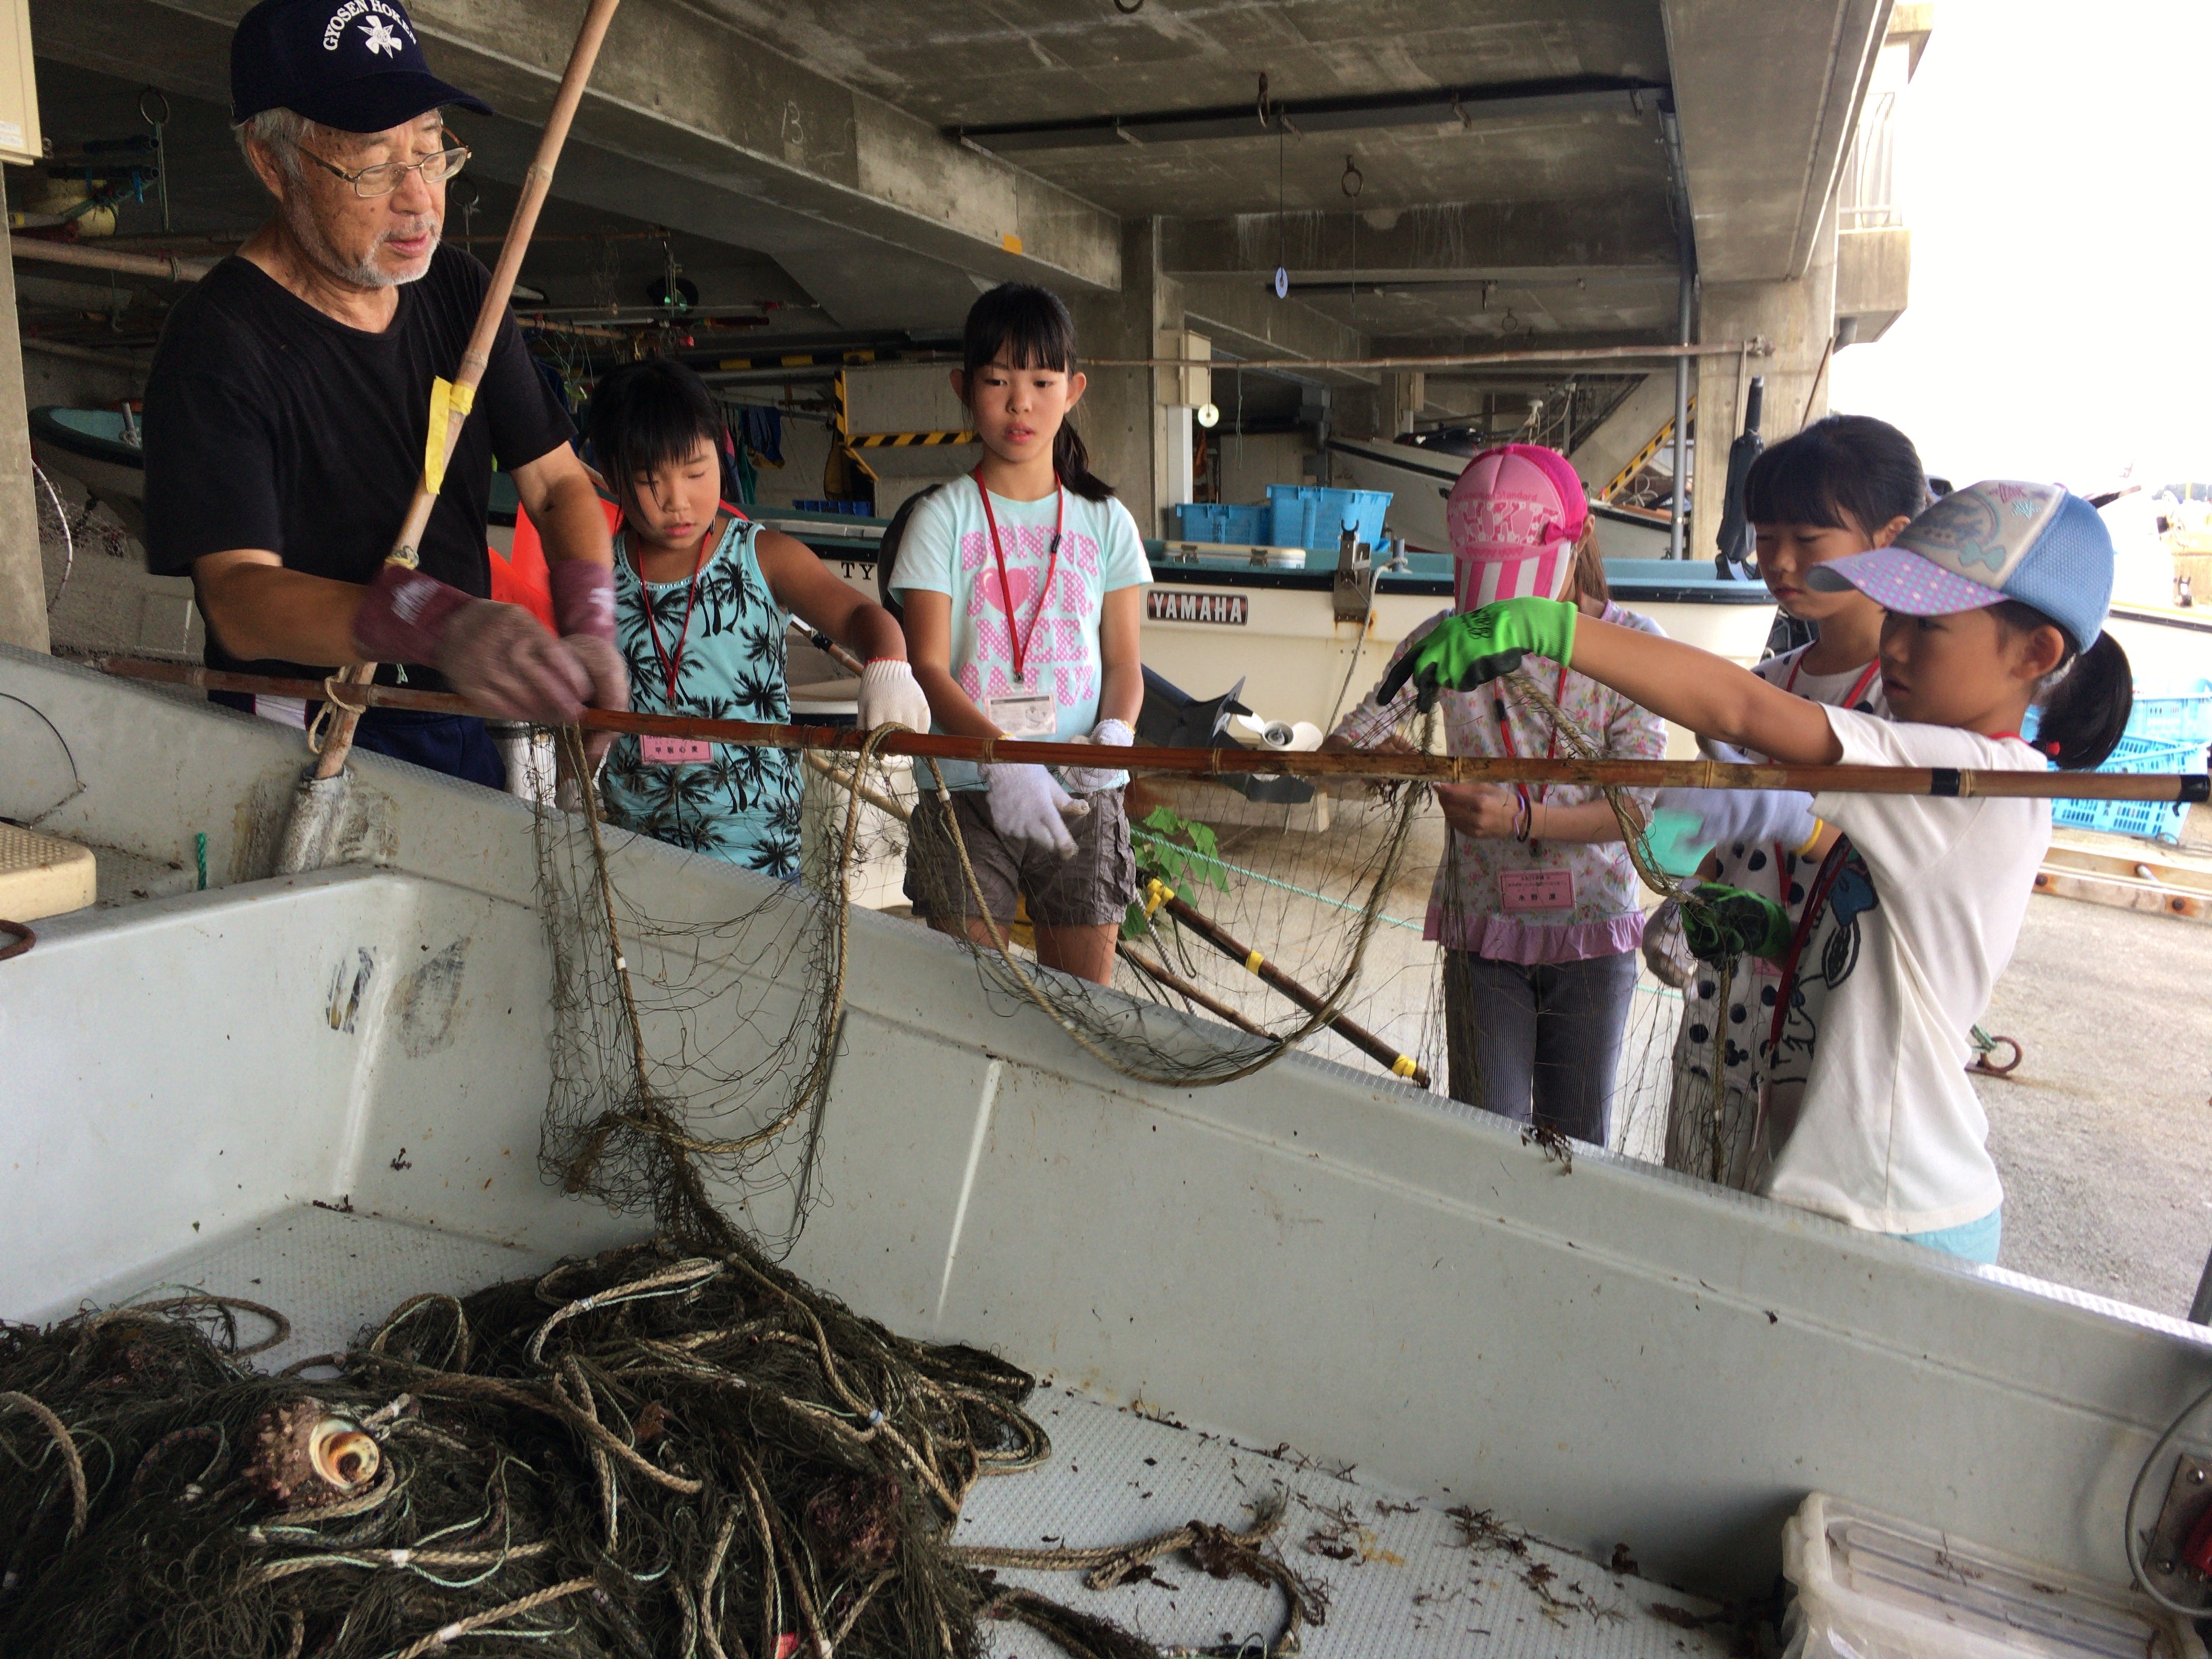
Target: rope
[1218,1551]
[447,1634]
[1108,1565]
[80,1502]
[280,1327]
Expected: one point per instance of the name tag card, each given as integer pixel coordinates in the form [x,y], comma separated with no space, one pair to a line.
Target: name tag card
[674,752]
[1030,715]
[1535,889]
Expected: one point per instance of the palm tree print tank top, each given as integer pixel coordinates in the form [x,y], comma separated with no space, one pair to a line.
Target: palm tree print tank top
[742,804]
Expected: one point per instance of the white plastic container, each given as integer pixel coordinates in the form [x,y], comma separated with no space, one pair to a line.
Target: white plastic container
[1868,1586]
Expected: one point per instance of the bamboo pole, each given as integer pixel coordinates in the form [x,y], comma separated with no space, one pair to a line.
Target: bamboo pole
[166,266]
[476,356]
[1232,761]
[1643,354]
[1159,895]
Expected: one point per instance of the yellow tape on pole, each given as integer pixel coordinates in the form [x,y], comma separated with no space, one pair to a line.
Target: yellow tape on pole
[447,400]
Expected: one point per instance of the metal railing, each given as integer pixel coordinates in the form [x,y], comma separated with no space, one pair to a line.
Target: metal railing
[1866,199]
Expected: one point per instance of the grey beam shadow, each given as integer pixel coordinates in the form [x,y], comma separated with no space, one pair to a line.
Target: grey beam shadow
[692,106]
[1465,106]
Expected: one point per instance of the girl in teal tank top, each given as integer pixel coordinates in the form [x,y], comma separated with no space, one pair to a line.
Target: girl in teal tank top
[722,635]
[701,601]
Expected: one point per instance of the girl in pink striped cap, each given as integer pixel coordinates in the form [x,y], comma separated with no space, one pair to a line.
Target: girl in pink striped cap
[1534,901]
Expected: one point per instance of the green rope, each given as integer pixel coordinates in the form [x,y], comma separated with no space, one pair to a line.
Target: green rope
[1270,881]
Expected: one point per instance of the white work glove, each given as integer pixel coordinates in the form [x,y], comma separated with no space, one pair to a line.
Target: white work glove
[1089,780]
[1027,806]
[890,695]
[1731,818]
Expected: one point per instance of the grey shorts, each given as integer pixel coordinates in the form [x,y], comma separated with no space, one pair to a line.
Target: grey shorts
[1097,885]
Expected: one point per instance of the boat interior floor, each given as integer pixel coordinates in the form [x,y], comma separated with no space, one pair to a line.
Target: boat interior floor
[1409,1574]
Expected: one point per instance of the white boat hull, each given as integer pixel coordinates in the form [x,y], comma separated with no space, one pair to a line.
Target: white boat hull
[1370,1273]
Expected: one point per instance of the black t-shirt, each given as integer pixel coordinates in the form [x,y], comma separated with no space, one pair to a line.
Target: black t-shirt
[271,425]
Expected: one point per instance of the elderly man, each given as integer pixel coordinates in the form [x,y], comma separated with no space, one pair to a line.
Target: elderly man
[289,406]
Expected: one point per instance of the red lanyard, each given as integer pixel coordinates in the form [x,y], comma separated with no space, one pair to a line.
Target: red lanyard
[672,667]
[1020,641]
[1505,732]
[1851,700]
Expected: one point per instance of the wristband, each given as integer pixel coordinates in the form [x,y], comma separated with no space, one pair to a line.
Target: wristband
[583,598]
[404,616]
[1805,851]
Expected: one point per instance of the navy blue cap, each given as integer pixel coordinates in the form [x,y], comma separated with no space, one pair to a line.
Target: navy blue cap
[354,65]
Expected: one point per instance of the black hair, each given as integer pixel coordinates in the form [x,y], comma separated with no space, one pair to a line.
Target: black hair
[2085,715]
[887,549]
[650,414]
[1842,472]
[1025,326]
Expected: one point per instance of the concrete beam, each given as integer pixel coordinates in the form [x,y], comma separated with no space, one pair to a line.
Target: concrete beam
[1767,96]
[1799,317]
[1874,278]
[1245,320]
[1625,236]
[692,121]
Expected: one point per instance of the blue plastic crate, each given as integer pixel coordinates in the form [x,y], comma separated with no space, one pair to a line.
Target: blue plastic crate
[1304,515]
[2152,820]
[855,509]
[1224,521]
[2184,719]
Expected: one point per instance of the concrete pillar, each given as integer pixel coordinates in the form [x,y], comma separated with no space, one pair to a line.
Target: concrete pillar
[1130,434]
[1382,410]
[1799,318]
[1405,394]
[22,573]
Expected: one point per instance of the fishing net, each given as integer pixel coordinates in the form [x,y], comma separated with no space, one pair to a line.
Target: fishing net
[651,1452]
[692,1057]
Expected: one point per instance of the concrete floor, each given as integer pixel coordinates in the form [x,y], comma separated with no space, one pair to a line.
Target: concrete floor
[2104,1136]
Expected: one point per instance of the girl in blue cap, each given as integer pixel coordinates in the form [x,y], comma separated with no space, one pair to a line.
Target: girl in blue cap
[1996,598]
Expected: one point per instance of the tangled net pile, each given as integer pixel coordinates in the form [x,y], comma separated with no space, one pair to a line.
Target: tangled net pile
[644,1454]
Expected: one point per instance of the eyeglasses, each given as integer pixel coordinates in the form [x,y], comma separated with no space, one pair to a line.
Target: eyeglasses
[387,176]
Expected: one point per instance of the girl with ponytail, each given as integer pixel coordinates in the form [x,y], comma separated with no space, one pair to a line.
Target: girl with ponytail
[1914,903]
[1021,589]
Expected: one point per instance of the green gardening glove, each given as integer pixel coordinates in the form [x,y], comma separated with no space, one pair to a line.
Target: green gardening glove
[1720,923]
[1465,651]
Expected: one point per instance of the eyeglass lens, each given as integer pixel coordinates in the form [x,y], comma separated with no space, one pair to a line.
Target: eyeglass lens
[382,180]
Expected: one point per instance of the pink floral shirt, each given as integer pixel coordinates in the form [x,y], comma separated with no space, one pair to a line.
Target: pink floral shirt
[1469,905]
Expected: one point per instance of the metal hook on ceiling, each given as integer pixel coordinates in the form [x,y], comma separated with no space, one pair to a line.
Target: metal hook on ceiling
[1131,9]
[1261,103]
[1354,181]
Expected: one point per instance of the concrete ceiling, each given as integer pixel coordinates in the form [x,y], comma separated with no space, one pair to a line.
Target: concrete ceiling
[988,62]
[818,133]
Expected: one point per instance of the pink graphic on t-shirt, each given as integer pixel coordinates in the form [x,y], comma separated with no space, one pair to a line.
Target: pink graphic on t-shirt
[1058,622]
